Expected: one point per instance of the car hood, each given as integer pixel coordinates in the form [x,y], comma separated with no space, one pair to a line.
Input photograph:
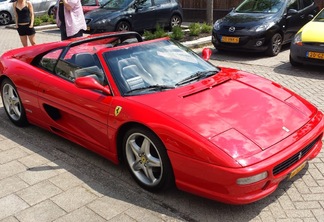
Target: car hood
[313,32]
[246,19]
[243,110]
[99,13]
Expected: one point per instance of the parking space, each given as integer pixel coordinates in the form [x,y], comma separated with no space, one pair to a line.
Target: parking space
[46,178]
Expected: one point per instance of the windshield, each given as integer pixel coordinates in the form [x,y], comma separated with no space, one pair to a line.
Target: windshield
[116,4]
[260,6]
[156,66]
[320,17]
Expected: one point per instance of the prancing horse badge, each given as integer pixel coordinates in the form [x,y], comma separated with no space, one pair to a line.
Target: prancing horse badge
[118,109]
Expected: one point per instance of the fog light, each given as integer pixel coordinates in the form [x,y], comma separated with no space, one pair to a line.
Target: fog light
[259,43]
[252,179]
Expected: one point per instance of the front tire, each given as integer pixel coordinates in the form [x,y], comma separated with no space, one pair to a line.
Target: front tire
[147,160]
[275,45]
[12,103]
[51,11]
[293,62]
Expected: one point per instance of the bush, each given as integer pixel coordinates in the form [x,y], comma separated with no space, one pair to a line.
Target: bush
[44,18]
[160,32]
[205,28]
[40,20]
[194,29]
[177,33]
[52,20]
[37,21]
[148,35]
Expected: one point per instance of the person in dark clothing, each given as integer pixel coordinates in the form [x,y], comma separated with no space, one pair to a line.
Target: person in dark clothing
[24,14]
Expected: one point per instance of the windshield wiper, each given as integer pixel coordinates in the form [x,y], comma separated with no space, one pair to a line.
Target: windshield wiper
[151,87]
[196,76]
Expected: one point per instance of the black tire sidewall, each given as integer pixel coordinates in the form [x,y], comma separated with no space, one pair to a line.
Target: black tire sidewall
[270,51]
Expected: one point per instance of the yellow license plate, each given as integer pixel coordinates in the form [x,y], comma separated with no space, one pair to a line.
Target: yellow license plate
[315,55]
[230,39]
[297,170]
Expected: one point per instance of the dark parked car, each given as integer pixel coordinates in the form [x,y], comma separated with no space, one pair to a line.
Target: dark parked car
[137,15]
[262,25]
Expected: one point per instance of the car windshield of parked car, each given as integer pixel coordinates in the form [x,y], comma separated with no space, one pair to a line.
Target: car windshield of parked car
[320,17]
[155,66]
[260,6]
[116,4]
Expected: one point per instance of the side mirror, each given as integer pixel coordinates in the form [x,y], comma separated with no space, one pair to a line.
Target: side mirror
[87,82]
[310,17]
[206,53]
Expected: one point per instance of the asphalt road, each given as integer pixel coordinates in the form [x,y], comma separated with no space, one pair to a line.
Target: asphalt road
[46,178]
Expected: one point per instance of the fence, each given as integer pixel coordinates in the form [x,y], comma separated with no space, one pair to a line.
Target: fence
[195,10]
[221,4]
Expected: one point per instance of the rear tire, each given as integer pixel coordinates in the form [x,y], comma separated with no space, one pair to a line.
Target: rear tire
[123,26]
[275,45]
[175,21]
[5,18]
[12,103]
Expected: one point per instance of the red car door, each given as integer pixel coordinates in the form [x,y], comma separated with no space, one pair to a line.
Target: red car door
[77,114]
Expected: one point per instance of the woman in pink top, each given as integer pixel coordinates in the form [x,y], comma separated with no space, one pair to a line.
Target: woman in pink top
[70,18]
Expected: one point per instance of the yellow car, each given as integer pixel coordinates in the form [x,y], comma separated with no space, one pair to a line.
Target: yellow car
[308,44]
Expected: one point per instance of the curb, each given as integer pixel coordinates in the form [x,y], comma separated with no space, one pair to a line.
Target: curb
[190,44]
[198,42]
[37,28]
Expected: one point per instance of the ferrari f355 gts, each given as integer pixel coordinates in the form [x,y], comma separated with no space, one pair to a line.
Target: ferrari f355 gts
[171,116]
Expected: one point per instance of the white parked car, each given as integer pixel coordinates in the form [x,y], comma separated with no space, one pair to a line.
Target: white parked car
[40,7]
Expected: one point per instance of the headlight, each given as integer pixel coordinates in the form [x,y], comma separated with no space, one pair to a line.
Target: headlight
[102,21]
[217,25]
[252,179]
[262,28]
[298,39]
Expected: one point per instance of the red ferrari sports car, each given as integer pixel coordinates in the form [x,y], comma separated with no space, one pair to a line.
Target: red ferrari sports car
[170,115]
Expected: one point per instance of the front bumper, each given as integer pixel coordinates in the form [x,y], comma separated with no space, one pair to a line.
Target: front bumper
[220,183]
[300,54]
[91,28]
[252,43]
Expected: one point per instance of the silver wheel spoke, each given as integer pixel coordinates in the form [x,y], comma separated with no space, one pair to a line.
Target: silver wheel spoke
[149,174]
[15,106]
[135,148]
[153,162]
[145,148]
[137,165]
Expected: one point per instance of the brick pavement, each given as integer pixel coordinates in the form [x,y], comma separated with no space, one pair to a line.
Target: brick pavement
[46,178]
